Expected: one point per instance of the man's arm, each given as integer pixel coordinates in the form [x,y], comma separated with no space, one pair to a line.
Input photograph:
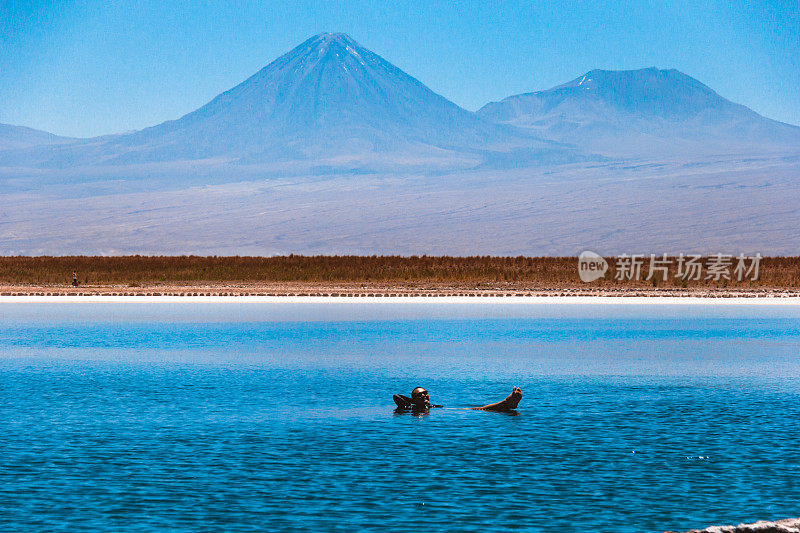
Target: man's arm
[509,404]
[403,402]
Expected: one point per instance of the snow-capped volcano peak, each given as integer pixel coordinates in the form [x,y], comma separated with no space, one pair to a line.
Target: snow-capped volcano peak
[326,39]
[334,45]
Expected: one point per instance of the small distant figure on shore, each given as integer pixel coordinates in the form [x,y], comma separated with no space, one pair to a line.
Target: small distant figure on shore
[420,402]
[75,282]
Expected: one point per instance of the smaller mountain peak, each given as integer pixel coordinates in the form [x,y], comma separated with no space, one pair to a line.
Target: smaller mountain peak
[605,76]
[629,72]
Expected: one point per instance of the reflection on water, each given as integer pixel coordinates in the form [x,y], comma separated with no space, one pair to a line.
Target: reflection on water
[228,422]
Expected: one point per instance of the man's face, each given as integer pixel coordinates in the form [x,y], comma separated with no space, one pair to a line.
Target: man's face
[420,398]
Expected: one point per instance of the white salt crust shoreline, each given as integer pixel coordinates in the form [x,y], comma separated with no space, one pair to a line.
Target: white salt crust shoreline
[461,300]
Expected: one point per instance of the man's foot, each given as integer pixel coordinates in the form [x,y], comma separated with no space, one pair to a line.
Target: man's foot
[509,404]
[513,399]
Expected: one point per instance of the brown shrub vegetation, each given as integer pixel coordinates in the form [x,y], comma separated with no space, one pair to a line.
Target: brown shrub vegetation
[774,272]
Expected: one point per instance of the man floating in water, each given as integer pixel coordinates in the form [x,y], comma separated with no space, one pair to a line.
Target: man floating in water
[420,401]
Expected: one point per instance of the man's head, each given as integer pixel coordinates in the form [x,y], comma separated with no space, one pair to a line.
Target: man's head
[420,398]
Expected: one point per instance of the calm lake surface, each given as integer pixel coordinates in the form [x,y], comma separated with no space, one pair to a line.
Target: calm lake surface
[263,416]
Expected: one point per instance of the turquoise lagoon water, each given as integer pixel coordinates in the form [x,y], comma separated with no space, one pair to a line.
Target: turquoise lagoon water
[257,416]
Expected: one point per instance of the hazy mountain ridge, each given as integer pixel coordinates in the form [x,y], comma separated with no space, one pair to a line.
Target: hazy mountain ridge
[18,137]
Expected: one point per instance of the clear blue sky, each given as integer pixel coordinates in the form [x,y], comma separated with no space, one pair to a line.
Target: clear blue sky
[84,68]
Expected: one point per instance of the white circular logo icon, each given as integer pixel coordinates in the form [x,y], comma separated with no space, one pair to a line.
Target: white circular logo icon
[591,266]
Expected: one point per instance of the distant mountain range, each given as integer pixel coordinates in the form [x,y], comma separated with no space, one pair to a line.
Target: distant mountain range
[332,101]
[332,149]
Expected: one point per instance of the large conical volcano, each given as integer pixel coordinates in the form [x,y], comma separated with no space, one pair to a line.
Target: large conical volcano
[328,96]
[329,101]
